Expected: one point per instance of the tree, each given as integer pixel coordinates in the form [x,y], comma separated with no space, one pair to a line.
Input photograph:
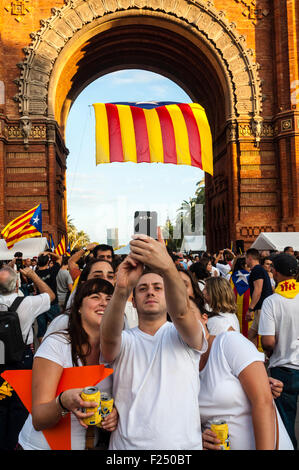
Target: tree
[167,232]
[184,214]
[188,208]
[77,239]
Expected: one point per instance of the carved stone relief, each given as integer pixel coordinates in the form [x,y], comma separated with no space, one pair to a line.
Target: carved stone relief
[211,25]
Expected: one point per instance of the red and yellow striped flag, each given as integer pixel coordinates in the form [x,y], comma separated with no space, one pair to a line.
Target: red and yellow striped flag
[174,133]
[27,225]
[61,247]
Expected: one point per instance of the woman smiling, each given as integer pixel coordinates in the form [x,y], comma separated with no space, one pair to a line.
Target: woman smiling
[78,345]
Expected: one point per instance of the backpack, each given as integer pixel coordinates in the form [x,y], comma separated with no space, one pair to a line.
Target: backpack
[11,334]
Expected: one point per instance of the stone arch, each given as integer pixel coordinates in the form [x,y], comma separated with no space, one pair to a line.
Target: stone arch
[79,19]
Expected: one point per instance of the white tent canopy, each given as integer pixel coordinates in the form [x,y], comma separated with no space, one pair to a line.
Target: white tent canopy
[276,241]
[194,243]
[29,247]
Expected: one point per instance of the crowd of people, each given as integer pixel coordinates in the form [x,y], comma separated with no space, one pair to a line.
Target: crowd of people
[190,338]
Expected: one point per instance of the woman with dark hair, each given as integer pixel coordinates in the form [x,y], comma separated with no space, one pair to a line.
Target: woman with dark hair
[267,265]
[95,268]
[201,273]
[192,287]
[77,346]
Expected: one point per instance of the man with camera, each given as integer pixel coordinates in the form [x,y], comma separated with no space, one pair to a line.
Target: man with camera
[12,413]
[153,362]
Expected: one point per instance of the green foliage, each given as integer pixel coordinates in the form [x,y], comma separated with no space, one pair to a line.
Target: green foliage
[183,213]
[77,238]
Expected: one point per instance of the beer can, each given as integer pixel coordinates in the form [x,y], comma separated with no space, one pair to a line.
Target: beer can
[92,394]
[220,428]
[106,405]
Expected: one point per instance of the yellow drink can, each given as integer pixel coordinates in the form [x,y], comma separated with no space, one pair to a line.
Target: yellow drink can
[106,405]
[220,428]
[92,394]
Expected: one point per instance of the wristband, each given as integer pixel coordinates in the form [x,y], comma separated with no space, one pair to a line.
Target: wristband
[65,410]
[251,309]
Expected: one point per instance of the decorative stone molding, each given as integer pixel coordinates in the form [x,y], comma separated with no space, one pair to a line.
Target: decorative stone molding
[286,125]
[18,8]
[12,132]
[256,130]
[232,131]
[248,232]
[251,11]
[211,25]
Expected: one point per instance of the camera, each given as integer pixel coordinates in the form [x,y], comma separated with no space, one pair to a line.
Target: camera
[19,260]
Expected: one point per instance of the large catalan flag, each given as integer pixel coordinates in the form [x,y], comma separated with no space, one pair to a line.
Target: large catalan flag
[27,225]
[175,133]
[61,247]
[240,285]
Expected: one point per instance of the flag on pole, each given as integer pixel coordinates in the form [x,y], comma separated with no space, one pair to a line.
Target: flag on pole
[175,133]
[51,244]
[68,251]
[61,247]
[27,225]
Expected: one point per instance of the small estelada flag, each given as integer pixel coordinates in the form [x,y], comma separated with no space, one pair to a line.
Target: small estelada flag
[61,247]
[176,133]
[51,243]
[27,225]
[68,251]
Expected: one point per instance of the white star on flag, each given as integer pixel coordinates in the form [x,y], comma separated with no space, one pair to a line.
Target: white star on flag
[242,277]
[35,220]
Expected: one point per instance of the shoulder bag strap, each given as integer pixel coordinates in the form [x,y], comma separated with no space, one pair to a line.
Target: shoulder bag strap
[13,308]
[15,305]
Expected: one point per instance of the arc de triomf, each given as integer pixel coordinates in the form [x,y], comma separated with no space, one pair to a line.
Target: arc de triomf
[237,58]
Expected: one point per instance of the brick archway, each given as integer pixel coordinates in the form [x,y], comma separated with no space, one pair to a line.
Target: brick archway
[194,44]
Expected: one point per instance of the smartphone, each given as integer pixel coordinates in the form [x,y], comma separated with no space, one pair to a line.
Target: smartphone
[146,222]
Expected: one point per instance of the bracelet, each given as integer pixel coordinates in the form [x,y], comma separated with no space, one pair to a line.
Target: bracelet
[58,401]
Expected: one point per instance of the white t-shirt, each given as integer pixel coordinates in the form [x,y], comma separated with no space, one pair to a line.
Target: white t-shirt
[222,395]
[131,316]
[56,348]
[222,322]
[280,318]
[59,323]
[215,271]
[155,388]
[29,309]
[224,270]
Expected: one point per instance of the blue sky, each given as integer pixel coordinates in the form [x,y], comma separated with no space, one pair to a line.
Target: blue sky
[106,196]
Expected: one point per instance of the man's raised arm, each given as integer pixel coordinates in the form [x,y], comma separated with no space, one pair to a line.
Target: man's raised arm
[113,320]
[153,253]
